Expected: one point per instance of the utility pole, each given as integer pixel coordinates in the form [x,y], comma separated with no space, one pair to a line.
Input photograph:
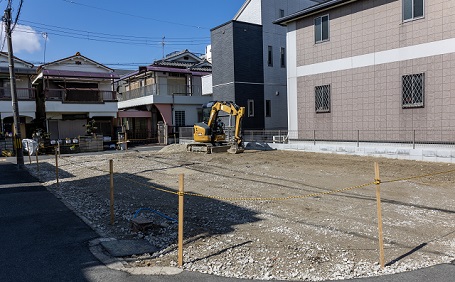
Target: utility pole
[17,127]
[162,44]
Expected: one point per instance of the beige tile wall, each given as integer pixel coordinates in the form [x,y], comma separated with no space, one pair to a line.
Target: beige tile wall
[369,26]
[369,98]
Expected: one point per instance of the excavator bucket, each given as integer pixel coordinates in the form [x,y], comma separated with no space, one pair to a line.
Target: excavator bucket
[236,149]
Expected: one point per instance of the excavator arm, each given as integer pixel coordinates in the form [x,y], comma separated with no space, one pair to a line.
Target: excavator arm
[211,132]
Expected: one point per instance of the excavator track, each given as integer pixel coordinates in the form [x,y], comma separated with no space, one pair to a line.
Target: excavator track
[209,148]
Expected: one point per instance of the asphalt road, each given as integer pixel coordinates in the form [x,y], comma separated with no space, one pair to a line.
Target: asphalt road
[42,240]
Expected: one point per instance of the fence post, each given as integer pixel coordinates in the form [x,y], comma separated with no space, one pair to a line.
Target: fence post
[111,172]
[36,155]
[56,167]
[377,181]
[180,227]
[29,155]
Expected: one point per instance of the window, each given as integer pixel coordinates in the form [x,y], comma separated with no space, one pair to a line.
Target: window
[180,118]
[251,108]
[283,57]
[321,29]
[281,13]
[268,108]
[412,9]
[322,98]
[270,57]
[413,87]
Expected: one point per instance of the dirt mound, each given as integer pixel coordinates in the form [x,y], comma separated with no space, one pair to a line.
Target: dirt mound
[173,148]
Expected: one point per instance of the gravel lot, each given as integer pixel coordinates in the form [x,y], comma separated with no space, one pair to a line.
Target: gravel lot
[315,237]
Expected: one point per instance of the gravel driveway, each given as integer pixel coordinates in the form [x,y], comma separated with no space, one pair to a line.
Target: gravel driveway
[269,214]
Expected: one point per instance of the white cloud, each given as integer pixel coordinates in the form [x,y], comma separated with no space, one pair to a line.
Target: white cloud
[25,39]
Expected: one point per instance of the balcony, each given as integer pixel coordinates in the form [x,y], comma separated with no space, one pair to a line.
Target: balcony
[80,95]
[161,89]
[25,94]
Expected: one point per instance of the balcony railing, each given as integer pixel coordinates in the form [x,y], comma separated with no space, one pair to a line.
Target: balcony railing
[80,95]
[161,89]
[22,93]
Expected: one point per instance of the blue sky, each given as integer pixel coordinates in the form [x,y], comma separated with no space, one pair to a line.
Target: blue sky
[117,33]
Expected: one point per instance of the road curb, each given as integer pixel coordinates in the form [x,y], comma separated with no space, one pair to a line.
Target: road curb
[121,265]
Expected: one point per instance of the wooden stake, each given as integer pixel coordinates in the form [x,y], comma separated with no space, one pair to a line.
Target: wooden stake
[111,171]
[180,228]
[29,155]
[126,141]
[56,167]
[36,155]
[378,202]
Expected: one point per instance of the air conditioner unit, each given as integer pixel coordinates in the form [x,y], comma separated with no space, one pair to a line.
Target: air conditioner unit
[279,139]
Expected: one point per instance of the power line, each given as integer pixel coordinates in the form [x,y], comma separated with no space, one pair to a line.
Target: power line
[131,15]
[18,14]
[66,29]
[118,40]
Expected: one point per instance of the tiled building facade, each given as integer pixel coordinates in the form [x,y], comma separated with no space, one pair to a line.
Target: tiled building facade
[385,65]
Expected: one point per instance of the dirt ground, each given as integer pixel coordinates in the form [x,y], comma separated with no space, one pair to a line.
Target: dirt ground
[268,214]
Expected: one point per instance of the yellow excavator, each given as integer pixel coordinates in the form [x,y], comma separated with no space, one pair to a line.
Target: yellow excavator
[209,135]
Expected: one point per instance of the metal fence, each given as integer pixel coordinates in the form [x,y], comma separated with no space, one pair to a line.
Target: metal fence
[161,89]
[22,93]
[357,137]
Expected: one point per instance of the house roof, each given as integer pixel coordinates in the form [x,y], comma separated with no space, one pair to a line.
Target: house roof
[76,56]
[323,6]
[81,74]
[29,69]
[168,69]
[178,62]
[174,56]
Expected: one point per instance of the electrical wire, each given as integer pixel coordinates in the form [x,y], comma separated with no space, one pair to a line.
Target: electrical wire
[17,15]
[127,41]
[131,15]
[107,35]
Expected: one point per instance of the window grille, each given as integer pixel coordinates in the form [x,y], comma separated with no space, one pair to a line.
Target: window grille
[413,87]
[413,9]
[322,95]
[180,118]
